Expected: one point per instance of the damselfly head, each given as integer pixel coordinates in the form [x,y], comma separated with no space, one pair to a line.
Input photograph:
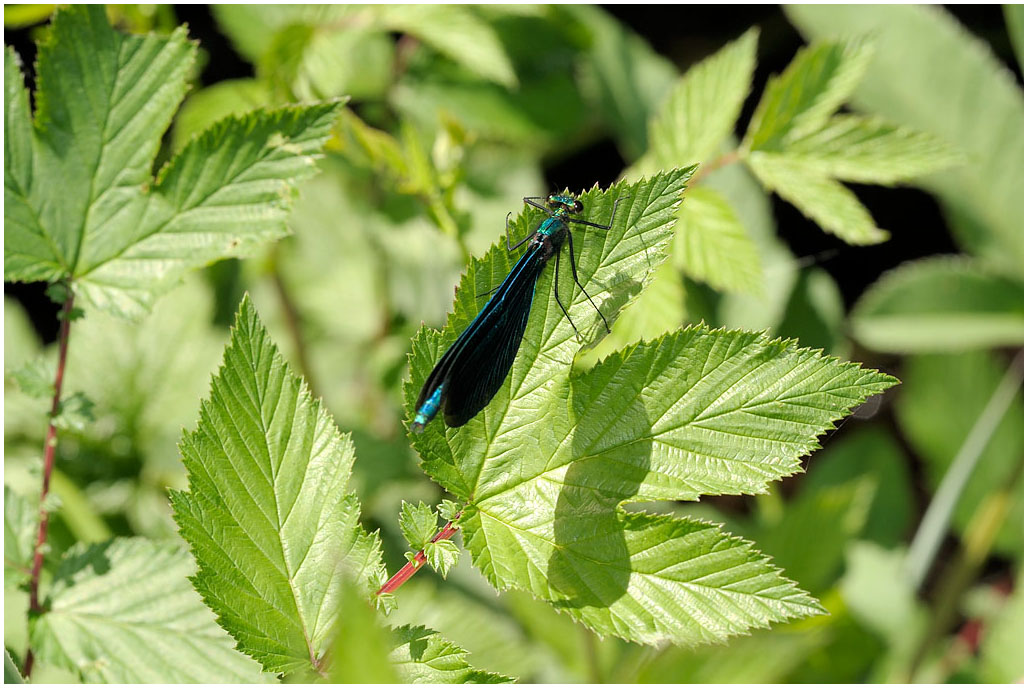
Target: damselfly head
[569,203]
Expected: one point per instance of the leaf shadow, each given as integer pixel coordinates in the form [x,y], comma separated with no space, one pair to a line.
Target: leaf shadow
[590,565]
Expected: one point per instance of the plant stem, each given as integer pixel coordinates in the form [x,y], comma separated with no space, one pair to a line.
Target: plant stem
[292,314]
[934,524]
[408,570]
[719,162]
[49,453]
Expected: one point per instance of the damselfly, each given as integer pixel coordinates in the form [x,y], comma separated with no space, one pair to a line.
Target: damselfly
[474,367]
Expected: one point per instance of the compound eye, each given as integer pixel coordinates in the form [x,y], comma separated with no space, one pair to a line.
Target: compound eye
[577,206]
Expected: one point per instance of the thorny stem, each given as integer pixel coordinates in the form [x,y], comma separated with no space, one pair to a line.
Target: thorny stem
[408,570]
[49,452]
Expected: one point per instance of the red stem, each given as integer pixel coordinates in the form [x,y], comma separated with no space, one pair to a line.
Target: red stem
[408,570]
[49,452]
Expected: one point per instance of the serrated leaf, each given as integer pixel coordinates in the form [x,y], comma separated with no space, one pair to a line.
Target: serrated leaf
[417,523]
[35,378]
[447,510]
[80,201]
[423,656]
[801,99]
[939,304]
[124,611]
[75,412]
[866,149]
[269,516]
[547,465]
[11,673]
[702,109]
[824,200]
[923,57]
[441,556]
[712,246]
[21,520]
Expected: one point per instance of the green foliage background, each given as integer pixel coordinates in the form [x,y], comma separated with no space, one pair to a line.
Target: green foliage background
[454,114]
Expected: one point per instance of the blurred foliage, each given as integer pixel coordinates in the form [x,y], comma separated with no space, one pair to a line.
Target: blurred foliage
[454,114]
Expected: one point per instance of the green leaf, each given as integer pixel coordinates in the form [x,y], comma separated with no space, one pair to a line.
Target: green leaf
[879,595]
[626,77]
[21,522]
[418,524]
[547,465]
[212,103]
[268,515]
[711,244]
[423,656]
[360,653]
[942,396]
[75,412]
[660,308]
[799,101]
[441,556]
[824,200]
[761,658]
[923,57]
[939,304]
[457,32]
[701,111]
[35,378]
[875,455]
[80,200]
[124,612]
[865,149]
[11,673]
[447,510]
[814,313]
[812,537]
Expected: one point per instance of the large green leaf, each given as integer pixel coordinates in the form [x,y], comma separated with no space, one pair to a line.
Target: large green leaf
[80,201]
[546,467]
[933,75]
[124,612]
[702,110]
[939,304]
[268,515]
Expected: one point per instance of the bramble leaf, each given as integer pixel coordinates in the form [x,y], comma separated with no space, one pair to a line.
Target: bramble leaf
[20,524]
[821,198]
[712,245]
[923,57]
[424,656]
[548,466]
[80,200]
[269,515]
[799,101]
[124,611]
[417,523]
[701,111]
[870,151]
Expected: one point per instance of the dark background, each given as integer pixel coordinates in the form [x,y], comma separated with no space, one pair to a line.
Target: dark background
[684,34]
